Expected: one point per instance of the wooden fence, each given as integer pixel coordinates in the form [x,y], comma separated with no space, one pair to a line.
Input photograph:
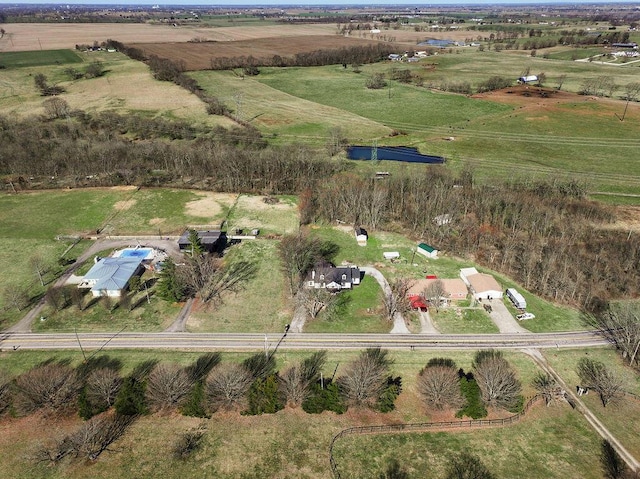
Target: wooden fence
[424,427]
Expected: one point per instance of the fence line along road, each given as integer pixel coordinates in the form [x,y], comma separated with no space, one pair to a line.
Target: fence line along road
[255,341]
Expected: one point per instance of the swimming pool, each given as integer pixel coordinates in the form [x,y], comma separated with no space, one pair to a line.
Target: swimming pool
[142,253]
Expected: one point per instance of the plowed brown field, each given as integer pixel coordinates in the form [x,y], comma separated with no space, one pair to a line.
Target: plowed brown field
[197,56]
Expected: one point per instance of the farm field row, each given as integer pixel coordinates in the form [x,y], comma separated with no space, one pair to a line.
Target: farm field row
[290,443]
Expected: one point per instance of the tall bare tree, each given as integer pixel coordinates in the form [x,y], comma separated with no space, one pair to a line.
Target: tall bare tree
[39,264]
[209,278]
[102,387]
[547,387]
[439,384]
[620,325]
[51,386]
[434,293]
[395,300]
[168,386]
[366,377]
[295,383]
[496,379]
[314,300]
[595,375]
[227,386]
[298,254]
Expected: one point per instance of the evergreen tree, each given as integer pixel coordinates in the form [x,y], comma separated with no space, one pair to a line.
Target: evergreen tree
[170,287]
[195,247]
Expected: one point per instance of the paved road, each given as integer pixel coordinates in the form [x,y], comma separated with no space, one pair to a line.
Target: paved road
[307,341]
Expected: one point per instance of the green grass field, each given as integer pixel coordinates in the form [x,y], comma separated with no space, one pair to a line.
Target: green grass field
[39,58]
[260,306]
[291,444]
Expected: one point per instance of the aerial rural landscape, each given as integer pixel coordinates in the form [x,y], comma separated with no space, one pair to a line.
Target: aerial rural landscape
[347,241]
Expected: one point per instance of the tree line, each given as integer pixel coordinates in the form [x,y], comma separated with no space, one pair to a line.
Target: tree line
[106,147]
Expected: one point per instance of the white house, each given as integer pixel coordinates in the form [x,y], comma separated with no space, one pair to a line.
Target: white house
[111,276]
[428,251]
[481,285]
[335,278]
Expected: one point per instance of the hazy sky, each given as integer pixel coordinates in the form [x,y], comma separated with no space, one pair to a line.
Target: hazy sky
[313,2]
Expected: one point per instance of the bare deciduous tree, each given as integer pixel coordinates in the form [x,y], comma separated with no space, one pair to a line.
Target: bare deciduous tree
[496,379]
[209,278]
[16,296]
[595,375]
[366,377]
[38,263]
[50,386]
[228,385]
[434,293]
[168,386]
[631,91]
[298,254]
[395,300]
[295,383]
[439,384]
[98,433]
[314,300]
[102,387]
[89,441]
[547,387]
[620,325]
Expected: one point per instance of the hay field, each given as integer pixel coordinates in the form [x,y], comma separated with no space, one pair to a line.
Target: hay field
[128,86]
[49,36]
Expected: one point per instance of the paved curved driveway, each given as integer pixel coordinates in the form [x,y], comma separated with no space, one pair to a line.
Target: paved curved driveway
[399,326]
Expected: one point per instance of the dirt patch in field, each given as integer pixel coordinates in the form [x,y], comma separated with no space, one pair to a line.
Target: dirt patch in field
[198,56]
[259,203]
[210,205]
[124,205]
[529,95]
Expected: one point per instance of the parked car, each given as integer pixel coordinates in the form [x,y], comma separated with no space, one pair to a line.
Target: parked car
[523,316]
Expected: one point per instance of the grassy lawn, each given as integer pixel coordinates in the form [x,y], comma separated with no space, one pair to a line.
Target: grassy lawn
[555,443]
[453,320]
[261,306]
[250,211]
[360,313]
[99,314]
[166,211]
[549,317]
[38,58]
[617,414]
